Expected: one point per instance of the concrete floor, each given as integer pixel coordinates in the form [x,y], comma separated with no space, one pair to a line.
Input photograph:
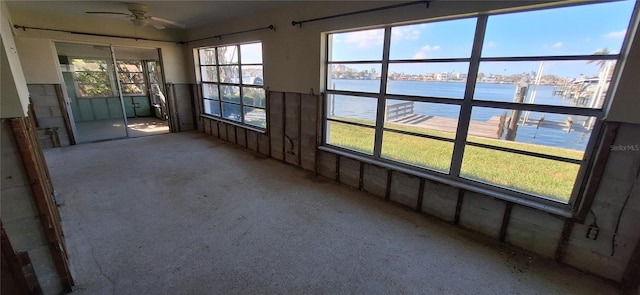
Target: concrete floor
[189,214]
[90,131]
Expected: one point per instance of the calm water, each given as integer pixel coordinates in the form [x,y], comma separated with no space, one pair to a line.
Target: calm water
[365,108]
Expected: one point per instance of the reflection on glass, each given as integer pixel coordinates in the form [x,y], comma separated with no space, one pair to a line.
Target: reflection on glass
[445,39]
[545,133]
[538,176]
[210,91]
[445,80]
[356,46]
[229,74]
[254,97]
[354,77]
[231,111]
[434,119]
[252,75]
[576,30]
[255,116]
[355,109]
[209,73]
[578,83]
[251,53]
[342,135]
[212,107]
[417,151]
[230,93]
[228,55]
[207,56]
[128,88]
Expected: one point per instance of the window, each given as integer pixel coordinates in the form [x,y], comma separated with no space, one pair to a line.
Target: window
[504,102]
[92,77]
[131,75]
[232,82]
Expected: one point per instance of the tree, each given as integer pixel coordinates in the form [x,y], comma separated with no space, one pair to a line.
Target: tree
[601,63]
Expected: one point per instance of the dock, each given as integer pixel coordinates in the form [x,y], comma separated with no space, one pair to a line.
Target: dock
[487,129]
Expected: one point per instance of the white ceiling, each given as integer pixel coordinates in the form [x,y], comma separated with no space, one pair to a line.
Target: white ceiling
[190,13]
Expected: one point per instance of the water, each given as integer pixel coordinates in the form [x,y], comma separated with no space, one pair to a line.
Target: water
[365,108]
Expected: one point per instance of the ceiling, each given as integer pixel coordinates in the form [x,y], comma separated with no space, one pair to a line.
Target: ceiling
[191,13]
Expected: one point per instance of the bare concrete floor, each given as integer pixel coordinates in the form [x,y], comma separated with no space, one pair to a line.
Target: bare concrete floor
[91,131]
[189,214]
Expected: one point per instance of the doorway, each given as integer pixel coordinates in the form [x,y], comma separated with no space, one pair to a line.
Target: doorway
[113,92]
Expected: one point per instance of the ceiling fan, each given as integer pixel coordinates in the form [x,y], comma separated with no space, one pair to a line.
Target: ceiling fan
[140,19]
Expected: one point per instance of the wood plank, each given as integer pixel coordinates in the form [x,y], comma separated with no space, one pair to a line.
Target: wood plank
[38,173]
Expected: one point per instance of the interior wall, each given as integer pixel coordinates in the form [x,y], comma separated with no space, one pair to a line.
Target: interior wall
[14,95]
[293,66]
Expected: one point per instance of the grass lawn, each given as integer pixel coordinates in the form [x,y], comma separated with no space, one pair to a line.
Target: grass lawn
[534,175]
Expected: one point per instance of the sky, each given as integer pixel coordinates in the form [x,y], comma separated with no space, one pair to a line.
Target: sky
[578,30]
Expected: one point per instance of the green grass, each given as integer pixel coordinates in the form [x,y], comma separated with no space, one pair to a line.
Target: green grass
[534,175]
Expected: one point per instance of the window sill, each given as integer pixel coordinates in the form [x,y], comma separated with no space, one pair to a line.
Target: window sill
[548,206]
[237,124]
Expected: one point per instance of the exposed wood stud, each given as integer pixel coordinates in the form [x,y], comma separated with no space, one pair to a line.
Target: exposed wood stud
[361,179]
[387,195]
[38,173]
[337,168]
[564,239]
[15,266]
[235,134]
[420,195]
[65,113]
[456,219]
[505,221]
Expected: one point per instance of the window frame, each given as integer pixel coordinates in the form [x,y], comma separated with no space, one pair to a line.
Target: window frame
[466,104]
[143,73]
[108,71]
[241,84]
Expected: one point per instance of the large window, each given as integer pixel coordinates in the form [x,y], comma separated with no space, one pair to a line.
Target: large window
[131,75]
[505,102]
[231,79]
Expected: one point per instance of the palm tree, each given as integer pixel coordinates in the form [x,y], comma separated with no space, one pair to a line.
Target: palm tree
[602,62]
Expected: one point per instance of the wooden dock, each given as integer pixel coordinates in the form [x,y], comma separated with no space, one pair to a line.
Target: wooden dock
[489,129]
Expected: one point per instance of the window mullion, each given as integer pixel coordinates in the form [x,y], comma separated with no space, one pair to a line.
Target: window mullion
[218,81]
[240,83]
[465,109]
[377,146]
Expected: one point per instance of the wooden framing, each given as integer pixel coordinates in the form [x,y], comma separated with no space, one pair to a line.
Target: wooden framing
[38,173]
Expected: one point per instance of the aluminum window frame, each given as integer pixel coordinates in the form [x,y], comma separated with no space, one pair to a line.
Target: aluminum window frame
[240,84]
[467,104]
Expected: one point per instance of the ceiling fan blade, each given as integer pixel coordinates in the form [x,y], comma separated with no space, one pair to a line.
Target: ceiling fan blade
[159,26]
[108,12]
[168,22]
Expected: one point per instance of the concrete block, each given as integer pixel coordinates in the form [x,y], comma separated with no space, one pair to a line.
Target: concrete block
[350,172]
[292,128]
[482,213]
[214,126]
[241,134]
[252,140]
[45,270]
[55,111]
[222,131]
[439,200]
[51,122]
[36,90]
[207,128]
[263,144]
[309,130]
[231,133]
[276,120]
[50,90]
[404,189]
[327,164]
[601,264]
[42,112]
[534,230]
[25,234]
[374,180]
[17,203]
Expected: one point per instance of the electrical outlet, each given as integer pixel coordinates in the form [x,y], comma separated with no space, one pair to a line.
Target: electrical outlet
[592,233]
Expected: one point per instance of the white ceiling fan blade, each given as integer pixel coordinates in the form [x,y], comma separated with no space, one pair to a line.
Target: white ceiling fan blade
[166,21]
[108,13]
[159,26]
